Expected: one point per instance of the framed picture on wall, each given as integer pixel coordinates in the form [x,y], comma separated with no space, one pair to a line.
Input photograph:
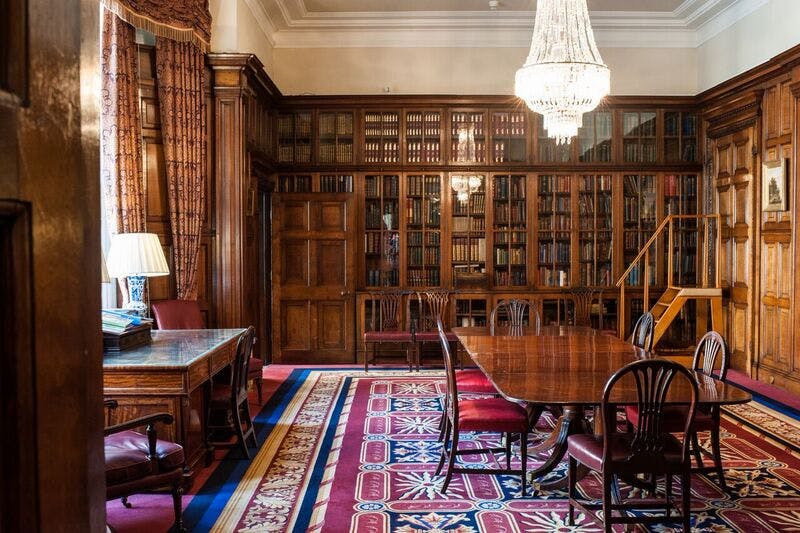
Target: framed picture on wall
[773,186]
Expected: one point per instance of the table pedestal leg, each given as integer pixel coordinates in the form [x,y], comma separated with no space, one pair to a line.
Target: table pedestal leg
[572,422]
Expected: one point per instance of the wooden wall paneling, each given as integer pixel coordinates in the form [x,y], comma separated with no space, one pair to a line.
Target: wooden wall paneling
[50,389]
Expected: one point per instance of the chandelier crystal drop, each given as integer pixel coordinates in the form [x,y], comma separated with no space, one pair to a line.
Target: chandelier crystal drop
[564,75]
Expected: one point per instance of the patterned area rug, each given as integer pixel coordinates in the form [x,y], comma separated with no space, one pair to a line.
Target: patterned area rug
[348,451]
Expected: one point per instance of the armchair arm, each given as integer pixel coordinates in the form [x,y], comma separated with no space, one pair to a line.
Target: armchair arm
[150,421]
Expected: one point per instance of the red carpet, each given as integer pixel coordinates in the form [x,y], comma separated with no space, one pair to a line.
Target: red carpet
[349,452]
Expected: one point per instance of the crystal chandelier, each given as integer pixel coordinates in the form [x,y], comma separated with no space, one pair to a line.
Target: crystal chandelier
[564,75]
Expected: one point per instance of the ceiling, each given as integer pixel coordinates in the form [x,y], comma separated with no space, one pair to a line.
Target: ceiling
[472,23]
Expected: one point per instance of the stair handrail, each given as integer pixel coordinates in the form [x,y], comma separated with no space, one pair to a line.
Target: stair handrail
[644,253]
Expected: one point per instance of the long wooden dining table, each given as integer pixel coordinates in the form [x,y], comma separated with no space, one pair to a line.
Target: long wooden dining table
[568,367]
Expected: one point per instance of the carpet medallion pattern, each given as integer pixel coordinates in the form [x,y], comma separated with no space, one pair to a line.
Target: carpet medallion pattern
[348,451]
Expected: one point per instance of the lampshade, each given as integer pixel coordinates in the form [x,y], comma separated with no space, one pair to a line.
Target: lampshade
[136,254]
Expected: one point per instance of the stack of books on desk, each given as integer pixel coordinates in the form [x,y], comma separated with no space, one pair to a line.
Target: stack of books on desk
[122,330]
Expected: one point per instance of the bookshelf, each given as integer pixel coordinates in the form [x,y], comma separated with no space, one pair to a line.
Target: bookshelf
[294,136]
[381,230]
[509,137]
[467,137]
[639,137]
[509,230]
[423,230]
[336,183]
[680,137]
[549,150]
[595,231]
[471,310]
[554,225]
[594,137]
[638,220]
[468,227]
[381,137]
[335,137]
[423,137]
[294,183]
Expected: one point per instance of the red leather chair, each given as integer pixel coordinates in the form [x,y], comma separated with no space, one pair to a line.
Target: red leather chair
[389,324]
[496,415]
[648,450]
[137,463]
[178,314]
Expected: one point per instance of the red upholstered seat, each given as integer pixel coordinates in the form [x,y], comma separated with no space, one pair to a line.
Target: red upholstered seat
[588,449]
[492,414]
[474,381]
[433,336]
[169,454]
[674,419]
[125,464]
[178,314]
[387,336]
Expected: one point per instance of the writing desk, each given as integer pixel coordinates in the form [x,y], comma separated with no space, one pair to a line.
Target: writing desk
[171,374]
[569,367]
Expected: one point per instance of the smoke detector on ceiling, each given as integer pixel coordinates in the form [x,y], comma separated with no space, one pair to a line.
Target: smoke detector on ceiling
[493,4]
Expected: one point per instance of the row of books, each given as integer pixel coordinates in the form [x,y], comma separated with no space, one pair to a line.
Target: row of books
[639,151]
[291,125]
[299,153]
[590,277]
[469,156]
[423,124]
[550,277]
[378,278]
[505,187]
[460,120]
[554,184]
[423,185]
[554,252]
[587,250]
[560,221]
[431,238]
[423,278]
[424,152]
[377,217]
[118,321]
[633,211]
[336,152]
[594,152]
[416,214]
[505,214]
[506,256]
[419,256]
[342,183]
[381,124]
[294,184]
[388,187]
[335,124]
[675,124]
[502,238]
[508,124]
[382,152]
[586,204]
[515,277]
[590,183]
[639,124]
[469,249]
[464,223]
[680,185]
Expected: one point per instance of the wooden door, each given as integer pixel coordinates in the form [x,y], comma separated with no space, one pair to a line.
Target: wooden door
[313,278]
[734,163]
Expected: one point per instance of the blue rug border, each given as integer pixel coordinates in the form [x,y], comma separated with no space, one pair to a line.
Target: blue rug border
[207,504]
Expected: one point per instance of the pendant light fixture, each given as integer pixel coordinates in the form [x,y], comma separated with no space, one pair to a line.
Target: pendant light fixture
[564,75]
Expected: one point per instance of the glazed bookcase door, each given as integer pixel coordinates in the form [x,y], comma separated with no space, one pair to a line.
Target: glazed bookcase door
[423,137]
[554,230]
[595,235]
[382,230]
[639,222]
[468,228]
[509,228]
[423,204]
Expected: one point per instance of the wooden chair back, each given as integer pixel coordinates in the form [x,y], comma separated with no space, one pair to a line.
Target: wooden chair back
[653,378]
[582,301]
[392,312]
[433,308]
[711,349]
[643,332]
[452,391]
[240,365]
[515,310]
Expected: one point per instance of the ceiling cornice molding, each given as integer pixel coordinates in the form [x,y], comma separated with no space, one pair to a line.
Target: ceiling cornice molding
[263,20]
[688,26]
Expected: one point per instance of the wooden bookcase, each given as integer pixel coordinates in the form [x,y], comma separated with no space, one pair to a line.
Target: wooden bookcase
[512,215]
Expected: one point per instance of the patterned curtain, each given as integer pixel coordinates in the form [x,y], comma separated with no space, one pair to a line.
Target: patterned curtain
[120,130]
[179,75]
[183,21]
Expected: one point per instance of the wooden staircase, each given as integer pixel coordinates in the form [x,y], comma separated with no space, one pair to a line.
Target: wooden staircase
[707,288]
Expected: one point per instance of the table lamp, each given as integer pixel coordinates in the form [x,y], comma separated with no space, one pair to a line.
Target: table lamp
[136,256]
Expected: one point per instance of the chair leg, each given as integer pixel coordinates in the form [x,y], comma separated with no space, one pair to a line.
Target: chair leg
[572,474]
[508,451]
[523,452]
[451,460]
[698,457]
[177,506]
[237,421]
[686,489]
[607,526]
[444,421]
[258,389]
[717,453]
[251,432]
